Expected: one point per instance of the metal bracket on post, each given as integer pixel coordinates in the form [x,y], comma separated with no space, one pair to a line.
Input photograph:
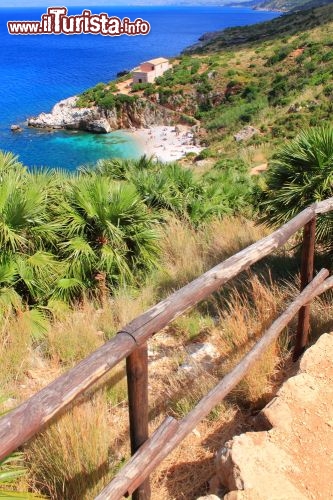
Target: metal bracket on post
[307,270]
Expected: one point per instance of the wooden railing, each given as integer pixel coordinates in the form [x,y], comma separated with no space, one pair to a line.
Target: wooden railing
[31,416]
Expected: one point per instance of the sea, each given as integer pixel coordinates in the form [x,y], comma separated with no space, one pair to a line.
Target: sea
[37,71]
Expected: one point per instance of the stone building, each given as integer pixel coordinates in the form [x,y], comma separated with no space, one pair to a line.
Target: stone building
[150,70]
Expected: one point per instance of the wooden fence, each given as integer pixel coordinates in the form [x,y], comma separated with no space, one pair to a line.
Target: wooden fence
[21,424]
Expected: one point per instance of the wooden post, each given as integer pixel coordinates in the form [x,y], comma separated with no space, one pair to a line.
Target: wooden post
[137,383]
[171,433]
[307,268]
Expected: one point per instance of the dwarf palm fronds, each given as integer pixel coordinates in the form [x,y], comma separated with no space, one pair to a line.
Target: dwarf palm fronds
[158,191]
[10,163]
[120,168]
[9,298]
[25,218]
[301,173]
[107,229]
[11,470]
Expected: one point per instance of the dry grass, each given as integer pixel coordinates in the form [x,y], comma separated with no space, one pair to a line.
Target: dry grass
[185,473]
[246,317]
[15,349]
[188,252]
[73,458]
[321,316]
[86,328]
[182,255]
[74,338]
[256,154]
[228,236]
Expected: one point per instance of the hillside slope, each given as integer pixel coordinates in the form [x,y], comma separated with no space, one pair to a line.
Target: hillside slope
[285,25]
[290,5]
[247,87]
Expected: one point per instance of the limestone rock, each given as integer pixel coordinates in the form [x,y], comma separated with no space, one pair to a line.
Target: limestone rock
[200,355]
[244,495]
[317,360]
[292,460]
[209,497]
[16,128]
[137,114]
[252,459]
[65,115]
[101,126]
[246,133]
[295,108]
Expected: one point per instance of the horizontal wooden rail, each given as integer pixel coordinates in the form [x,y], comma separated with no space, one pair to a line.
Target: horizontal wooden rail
[30,417]
[161,443]
[130,476]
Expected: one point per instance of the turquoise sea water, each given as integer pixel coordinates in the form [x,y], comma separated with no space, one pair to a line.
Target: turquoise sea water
[38,71]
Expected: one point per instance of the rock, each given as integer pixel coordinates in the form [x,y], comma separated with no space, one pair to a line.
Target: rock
[237,471]
[317,360]
[289,461]
[246,133]
[124,72]
[209,497]
[244,495]
[16,128]
[65,115]
[200,355]
[101,126]
[137,114]
[295,108]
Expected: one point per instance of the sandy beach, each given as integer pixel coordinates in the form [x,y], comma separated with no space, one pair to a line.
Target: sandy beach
[166,143]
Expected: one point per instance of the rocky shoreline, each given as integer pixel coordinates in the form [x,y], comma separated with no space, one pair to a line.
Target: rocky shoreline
[139,114]
[152,126]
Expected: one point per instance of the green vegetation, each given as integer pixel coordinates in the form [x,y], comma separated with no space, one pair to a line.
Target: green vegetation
[84,253]
[291,5]
[300,173]
[275,76]
[104,96]
[12,469]
[63,235]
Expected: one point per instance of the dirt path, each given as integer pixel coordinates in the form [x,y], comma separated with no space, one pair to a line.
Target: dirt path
[124,87]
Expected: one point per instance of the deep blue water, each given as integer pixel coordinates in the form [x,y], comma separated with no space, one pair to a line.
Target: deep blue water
[38,71]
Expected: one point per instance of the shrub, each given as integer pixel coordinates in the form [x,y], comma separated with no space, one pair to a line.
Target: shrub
[107,102]
[141,86]
[301,173]
[278,56]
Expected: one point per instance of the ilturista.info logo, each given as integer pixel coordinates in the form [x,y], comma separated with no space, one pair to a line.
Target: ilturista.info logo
[57,21]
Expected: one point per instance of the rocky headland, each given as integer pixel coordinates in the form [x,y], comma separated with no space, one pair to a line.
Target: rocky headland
[140,113]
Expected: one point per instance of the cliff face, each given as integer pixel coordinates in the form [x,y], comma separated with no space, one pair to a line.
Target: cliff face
[139,114]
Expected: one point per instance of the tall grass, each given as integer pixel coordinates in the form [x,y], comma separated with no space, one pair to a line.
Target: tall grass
[188,252]
[72,459]
[15,348]
[78,454]
[242,322]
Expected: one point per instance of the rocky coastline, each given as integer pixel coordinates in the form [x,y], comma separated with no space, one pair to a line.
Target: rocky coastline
[138,114]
